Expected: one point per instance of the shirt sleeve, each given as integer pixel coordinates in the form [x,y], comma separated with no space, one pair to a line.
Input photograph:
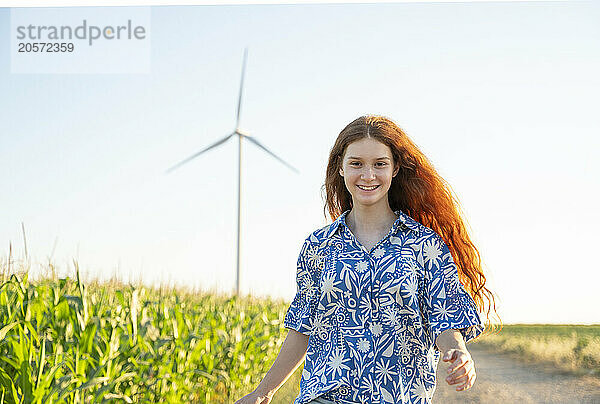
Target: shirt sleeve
[300,313]
[447,305]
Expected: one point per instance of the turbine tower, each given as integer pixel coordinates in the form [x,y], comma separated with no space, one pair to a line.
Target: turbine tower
[241,135]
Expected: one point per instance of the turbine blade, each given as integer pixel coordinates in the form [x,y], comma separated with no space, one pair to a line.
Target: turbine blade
[256,142]
[239,106]
[193,156]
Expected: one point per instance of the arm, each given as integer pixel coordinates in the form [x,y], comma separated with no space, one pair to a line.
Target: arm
[462,369]
[451,314]
[292,353]
[450,339]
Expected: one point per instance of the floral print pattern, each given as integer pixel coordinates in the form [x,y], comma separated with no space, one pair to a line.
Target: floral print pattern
[372,317]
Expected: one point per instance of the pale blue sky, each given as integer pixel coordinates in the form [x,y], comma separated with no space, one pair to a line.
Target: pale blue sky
[502,97]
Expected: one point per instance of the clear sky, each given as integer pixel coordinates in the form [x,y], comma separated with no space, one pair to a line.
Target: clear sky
[502,97]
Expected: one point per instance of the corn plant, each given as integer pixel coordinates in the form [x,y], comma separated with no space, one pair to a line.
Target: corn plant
[62,341]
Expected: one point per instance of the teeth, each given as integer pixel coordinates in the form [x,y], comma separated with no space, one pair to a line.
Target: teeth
[368,188]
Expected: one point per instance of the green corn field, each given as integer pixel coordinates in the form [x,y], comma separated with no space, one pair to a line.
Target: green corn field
[62,341]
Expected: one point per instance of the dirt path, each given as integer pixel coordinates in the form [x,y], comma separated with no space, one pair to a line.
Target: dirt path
[502,379]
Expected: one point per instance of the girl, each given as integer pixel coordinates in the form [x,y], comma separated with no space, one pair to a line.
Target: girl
[386,289]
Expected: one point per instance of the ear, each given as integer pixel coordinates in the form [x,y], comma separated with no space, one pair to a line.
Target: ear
[342,172]
[396,170]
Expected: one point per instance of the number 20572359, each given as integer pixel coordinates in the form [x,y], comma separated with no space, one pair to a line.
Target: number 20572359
[50,47]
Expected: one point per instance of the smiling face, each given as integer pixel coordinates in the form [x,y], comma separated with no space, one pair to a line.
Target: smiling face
[368,168]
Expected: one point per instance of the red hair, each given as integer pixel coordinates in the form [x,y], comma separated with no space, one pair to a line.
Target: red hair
[420,192]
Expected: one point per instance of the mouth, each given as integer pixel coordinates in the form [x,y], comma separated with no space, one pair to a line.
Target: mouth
[368,189]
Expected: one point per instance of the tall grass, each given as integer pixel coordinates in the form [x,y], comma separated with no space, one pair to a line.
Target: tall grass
[62,340]
[571,348]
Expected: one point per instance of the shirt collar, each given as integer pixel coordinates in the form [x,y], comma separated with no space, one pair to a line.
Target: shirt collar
[403,218]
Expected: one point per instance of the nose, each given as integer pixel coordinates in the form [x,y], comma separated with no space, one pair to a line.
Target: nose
[368,173]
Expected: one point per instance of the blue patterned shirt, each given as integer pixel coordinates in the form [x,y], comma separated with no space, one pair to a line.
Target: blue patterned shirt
[372,317]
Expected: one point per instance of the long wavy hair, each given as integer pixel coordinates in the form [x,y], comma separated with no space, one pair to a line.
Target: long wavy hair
[420,192]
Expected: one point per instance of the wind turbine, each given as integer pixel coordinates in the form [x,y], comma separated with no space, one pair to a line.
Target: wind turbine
[241,135]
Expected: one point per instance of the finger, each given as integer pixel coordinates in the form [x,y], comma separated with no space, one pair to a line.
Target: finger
[461,361]
[462,371]
[464,386]
[449,355]
[460,379]
[463,368]
[468,383]
[457,375]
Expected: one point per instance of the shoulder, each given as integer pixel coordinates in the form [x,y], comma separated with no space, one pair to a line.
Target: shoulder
[425,242]
[313,252]
[318,236]
[317,243]
[419,232]
[315,238]
[431,243]
[428,234]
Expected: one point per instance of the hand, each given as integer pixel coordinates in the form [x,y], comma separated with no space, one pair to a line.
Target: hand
[462,368]
[255,398]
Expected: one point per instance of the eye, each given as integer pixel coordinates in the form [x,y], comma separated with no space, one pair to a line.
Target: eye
[354,163]
[382,164]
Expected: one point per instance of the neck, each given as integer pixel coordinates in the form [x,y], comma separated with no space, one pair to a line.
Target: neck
[367,219]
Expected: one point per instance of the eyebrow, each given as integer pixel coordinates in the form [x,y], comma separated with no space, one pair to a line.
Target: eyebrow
[378,158]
